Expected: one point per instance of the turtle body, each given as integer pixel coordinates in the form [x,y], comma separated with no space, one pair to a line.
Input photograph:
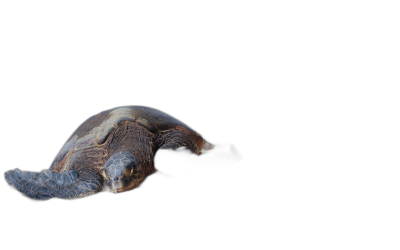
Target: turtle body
[116,146]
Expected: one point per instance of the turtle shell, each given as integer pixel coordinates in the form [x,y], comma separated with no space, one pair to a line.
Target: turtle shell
[96,129]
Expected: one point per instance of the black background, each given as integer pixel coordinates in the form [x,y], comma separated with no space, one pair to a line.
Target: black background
[228,83]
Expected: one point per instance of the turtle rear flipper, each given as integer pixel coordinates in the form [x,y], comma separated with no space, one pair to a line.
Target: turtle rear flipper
[48,184]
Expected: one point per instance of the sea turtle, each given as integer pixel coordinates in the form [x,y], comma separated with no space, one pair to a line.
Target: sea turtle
[116,146]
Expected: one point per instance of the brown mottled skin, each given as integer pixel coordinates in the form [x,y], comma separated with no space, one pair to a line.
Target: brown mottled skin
[135,130]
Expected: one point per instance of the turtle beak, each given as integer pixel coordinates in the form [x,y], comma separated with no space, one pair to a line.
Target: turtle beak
[116,184]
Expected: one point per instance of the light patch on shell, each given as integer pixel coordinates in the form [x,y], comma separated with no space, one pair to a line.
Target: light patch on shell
[118,115]
[99,133]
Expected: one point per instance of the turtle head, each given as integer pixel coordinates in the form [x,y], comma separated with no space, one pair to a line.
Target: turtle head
[121,172]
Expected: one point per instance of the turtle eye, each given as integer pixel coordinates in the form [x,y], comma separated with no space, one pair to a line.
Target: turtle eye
[106,175]
[128,170]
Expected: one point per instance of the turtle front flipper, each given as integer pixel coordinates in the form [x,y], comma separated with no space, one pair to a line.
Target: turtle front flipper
[48,184]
